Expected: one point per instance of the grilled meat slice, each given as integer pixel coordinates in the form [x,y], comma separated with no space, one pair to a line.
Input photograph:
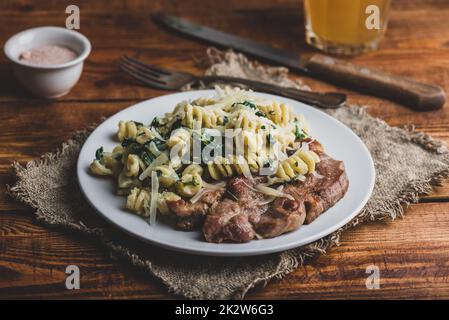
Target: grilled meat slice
[284,215]
[320,190]
[191,215]
[228,222]
[243,215]
[232,220]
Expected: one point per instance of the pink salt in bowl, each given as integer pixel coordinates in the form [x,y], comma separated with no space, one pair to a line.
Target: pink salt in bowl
[48,61]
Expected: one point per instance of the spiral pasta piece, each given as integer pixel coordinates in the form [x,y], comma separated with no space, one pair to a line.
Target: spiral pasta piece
[132,165]
[300,163]
[194,116]
[126,182]
[179,136]
[285,139]
[256,162]
[281,114]
[222,168]
[162,201]
[144,135]
[193,169]
[246,120]
[252,135]
[126,129]
[179,144]
[202,101]
[167,176]
[138,201]
[96,167]
[189,185]
[112,162]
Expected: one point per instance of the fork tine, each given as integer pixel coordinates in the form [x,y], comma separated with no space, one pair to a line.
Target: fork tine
[136,70]
[138,66]
[150,67]
[143,77]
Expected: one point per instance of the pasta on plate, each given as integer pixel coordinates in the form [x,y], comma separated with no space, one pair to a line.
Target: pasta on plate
[197,147]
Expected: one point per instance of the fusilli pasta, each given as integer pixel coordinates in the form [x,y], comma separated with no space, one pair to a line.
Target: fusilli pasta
[126,129]
[153,165]
[300,163]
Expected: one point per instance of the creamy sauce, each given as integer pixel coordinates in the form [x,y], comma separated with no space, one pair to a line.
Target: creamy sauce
[48,55]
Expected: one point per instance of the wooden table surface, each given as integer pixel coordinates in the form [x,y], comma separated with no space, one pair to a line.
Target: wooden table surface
[411,253]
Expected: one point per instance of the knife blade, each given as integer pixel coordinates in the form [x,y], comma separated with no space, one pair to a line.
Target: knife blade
[417,95]
[224,39]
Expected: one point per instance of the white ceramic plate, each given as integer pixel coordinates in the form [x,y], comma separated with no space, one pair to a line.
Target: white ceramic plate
[338,140]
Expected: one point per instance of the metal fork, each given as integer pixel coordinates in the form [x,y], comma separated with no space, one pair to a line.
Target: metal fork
[160,78]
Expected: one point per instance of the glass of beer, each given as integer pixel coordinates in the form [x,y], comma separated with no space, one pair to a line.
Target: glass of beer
[346,27]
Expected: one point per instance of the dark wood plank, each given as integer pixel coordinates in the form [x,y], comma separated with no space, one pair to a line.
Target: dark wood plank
[412,256]
[133,32]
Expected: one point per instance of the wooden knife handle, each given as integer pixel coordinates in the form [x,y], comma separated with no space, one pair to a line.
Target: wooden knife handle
[419,96]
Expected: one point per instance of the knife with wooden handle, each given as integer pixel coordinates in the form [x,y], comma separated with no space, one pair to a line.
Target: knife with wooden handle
[414,94]
[417,95]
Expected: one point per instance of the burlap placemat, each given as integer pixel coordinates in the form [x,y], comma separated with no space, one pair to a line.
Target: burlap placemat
[407,164]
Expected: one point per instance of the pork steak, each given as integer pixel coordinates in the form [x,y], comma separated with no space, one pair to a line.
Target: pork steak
[246,215]
[241,213]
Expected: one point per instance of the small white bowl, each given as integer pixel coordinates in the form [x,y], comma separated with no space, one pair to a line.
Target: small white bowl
[48,81]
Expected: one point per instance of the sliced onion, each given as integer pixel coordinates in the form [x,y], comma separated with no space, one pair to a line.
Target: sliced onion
[274,180]
[154,150]
[200,193]
[157,134]
[273,192]
[245,170]
[282,155]
[216,186]
[154,196]
[142,164]
[174,175]
[251,187]
[300,177]
[258,236]
[304,147]
[267,200]
[317,175]
[161,159]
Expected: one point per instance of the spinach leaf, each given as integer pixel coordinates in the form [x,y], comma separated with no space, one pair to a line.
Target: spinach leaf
[127,141]
[177,124]
[155,122]
[132,145]
[99,153]
[299,133]
[160,144]
[135,148]
[245,103]
[147,157]
[270,139]
[249,104]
